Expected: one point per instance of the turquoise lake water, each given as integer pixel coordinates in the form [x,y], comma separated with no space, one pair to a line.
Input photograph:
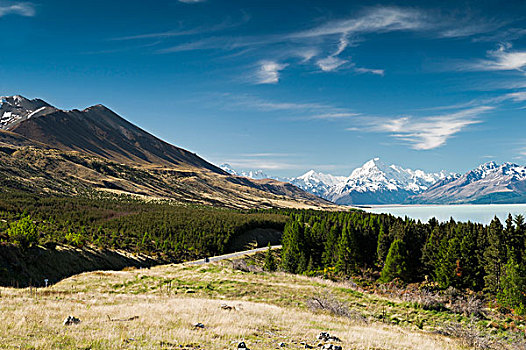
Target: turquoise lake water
[482,213]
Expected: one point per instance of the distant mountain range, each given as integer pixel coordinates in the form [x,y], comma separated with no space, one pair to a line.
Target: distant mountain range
[256,175]
[488,183]
[378,183]
[47,150]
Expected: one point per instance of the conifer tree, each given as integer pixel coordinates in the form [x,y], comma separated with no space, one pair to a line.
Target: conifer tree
[384,242]
[494,257]
[513,286]
[517,239]
[469,259]
[430,251]
[346,263]
[448,268]
[330,252]
[395,262]
[270,262]
[292,247]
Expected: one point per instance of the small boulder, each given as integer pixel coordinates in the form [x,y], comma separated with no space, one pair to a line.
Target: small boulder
[228,307]
[323,336]
[70,320]
[336,347]
[281,345]
[242,345]
[199,325]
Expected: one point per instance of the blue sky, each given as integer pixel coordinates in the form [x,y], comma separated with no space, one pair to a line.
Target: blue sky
[286,86]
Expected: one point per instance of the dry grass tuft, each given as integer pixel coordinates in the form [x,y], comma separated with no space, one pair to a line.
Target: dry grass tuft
[325,301]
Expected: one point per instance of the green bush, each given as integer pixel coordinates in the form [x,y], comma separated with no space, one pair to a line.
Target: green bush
[23,232]
[75,239]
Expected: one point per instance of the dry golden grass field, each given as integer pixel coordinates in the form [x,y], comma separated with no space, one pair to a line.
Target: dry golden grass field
[157,308]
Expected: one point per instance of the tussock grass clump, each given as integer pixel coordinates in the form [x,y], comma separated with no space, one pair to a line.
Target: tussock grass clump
[471,337]
[325,301]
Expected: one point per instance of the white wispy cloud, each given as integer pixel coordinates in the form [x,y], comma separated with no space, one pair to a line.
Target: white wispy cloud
[505,35]
[297,110]
[504,58]
[518,96]
[268,72]
[191,1]
[334,115]
[428,132]
[306,54]
[228,23]
[362,70]
[469,27]
[264,105]
[333,62]
[268,154]
[25,9]
[261,163]
[377,19]
[330,63]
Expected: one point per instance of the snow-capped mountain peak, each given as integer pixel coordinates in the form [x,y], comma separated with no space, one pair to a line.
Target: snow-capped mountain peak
[316,182]
[488,183]
[14,109]
[375,182]
[252,174]
[487,166]
[317,177]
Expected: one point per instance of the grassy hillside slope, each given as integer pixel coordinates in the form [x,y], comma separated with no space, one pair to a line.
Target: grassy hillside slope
[157,308]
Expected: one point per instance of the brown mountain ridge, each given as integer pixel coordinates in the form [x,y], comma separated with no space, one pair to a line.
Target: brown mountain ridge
[78,151]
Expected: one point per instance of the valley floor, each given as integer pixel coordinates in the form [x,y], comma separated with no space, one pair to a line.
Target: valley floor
[157,308]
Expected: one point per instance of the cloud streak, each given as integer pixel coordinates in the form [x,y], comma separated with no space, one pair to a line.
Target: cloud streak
[502,59]
[378,19]
[428,132]
[226,24]
[362,70]
[25,9]
[301,111]
[268,72]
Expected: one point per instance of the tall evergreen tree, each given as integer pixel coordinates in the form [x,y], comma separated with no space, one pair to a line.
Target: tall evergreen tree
[395,262]
[330,252]
[270,262]
[494,257]
[347,251]
[430,251]
[292,247]
[513,287]
[448,269]
[517,239]
[383,245]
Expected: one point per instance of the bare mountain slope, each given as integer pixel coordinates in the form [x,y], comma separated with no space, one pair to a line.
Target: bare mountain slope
[72,152]
[99,131]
